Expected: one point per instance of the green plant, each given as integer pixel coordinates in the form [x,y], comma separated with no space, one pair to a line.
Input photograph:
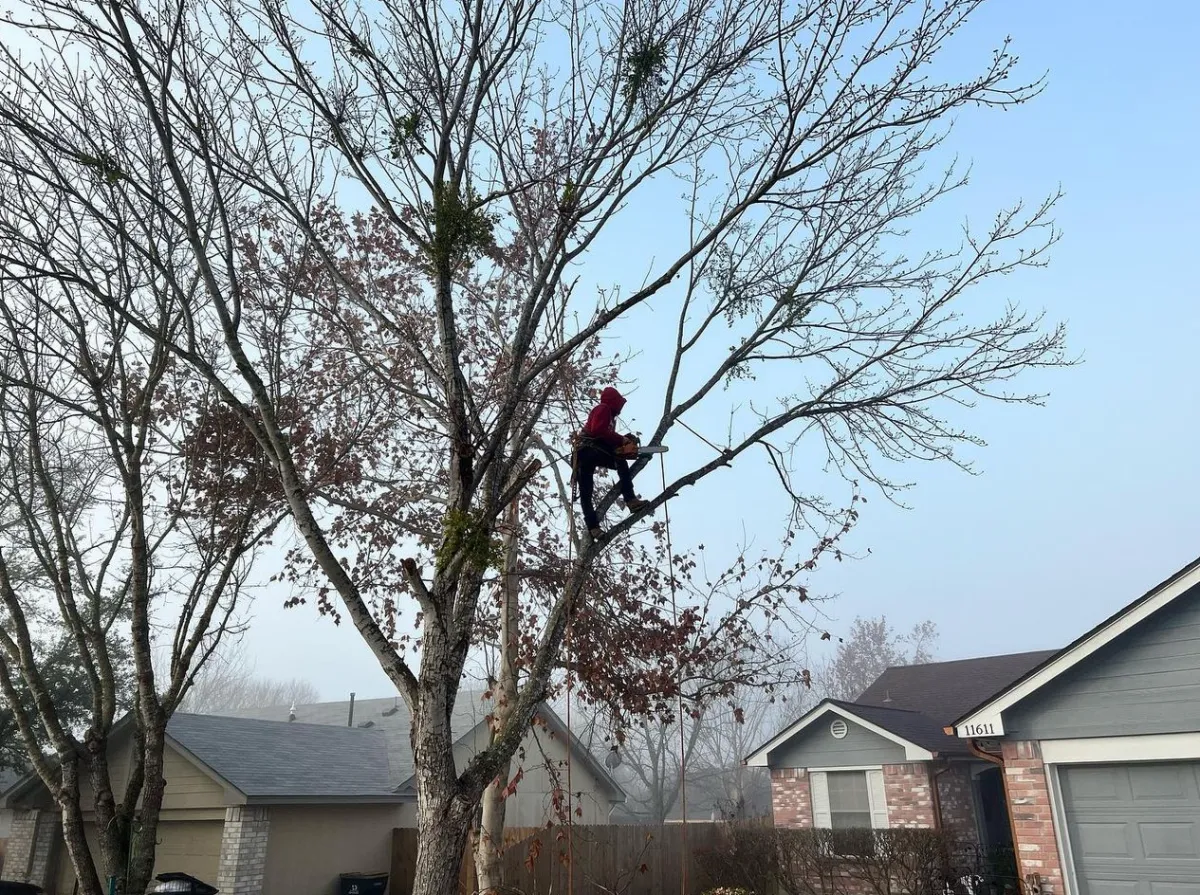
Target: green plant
[465,533]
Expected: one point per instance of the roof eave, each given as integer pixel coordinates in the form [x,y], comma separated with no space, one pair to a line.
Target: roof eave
[369,799]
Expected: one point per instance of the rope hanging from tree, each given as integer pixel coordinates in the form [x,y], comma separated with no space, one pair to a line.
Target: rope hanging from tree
[683,861]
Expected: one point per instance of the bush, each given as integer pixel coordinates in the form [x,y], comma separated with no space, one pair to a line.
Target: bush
[829,862]
[745,858]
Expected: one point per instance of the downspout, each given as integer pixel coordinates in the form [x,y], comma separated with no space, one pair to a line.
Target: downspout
[937,796]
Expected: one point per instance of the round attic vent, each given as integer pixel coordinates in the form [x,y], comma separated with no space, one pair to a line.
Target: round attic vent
[838,729]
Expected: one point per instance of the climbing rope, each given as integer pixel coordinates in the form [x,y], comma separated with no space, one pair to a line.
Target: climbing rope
[683,852]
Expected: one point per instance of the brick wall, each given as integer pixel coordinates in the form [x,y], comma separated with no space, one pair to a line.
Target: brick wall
[791,798]
[1033,824]
[30,847]
[243,850]
[909,795]
[956,795]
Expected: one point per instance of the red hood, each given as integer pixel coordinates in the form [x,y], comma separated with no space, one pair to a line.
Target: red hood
[612,399]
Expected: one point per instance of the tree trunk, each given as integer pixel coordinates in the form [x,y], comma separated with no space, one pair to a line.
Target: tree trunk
[144,836]
[444,812]
[489,839]
[72,824]
[441,843]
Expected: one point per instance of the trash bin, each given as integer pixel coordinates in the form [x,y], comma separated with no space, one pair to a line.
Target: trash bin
[363,884]
[181,884]
[11,888]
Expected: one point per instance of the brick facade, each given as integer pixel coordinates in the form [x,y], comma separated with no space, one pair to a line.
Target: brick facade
[909,795]
[1033,823]
[791,797]
[30,847]
[956,796]
[243,850]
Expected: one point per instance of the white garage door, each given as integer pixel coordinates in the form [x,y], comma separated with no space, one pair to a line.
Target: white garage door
[1134,828]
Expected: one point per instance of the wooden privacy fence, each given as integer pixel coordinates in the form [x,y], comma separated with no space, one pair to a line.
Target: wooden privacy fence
[618,859]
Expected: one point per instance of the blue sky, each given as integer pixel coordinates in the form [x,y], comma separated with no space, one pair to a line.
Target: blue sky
[1077,507]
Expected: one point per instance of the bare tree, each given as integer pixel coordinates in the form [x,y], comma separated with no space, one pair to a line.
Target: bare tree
[228,683]
[497,144]
[111,547]
[871,647]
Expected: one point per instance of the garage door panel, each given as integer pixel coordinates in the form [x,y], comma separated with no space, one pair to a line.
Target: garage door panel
[1170,840]
[1117,887]
[1103,840]
[1175,888]
[1134,829]
[1087,785]
[1162,783]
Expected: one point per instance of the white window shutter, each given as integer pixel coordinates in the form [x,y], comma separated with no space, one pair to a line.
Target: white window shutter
[818,787]
[878,798]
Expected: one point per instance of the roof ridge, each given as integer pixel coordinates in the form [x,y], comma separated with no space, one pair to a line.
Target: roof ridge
[886,708]
[1032,652]
[243,719]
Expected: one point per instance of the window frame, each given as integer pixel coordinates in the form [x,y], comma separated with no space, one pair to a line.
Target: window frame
[876,795]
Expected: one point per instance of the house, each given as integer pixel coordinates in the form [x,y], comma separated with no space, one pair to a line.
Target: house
[886,760]
[276,807]
[245,803]
[1100,749]
[542,756]
[1086,759]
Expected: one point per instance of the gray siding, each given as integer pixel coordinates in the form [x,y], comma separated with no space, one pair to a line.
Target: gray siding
[816,747]
[1147,681]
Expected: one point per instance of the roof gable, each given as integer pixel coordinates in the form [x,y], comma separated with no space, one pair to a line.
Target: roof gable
[848,711]
[986,718]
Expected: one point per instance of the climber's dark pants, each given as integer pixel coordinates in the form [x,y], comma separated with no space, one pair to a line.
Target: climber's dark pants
[588,459]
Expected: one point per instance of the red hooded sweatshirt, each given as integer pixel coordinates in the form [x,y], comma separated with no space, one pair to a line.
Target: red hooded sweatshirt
[601,422]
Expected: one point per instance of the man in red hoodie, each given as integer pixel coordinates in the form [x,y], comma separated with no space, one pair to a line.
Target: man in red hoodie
[601,446]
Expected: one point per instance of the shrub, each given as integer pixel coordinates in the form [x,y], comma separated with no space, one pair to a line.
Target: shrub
[829,862]
[745,858]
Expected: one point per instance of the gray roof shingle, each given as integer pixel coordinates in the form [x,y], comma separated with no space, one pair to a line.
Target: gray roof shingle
[912,726]
[269,759]
[944,691]
[387,716]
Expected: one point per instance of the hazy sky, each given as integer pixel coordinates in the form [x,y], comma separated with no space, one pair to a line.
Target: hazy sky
[1078,507]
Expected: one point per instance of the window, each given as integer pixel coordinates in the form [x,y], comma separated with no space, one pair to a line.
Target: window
[849,800]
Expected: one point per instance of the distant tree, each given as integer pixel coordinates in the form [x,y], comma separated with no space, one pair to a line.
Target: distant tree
[67,684]
[871,647]
[227,683]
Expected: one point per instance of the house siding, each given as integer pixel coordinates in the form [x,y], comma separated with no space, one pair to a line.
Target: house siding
[353,839]
[816,747]
[1147,681]
[542,761]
